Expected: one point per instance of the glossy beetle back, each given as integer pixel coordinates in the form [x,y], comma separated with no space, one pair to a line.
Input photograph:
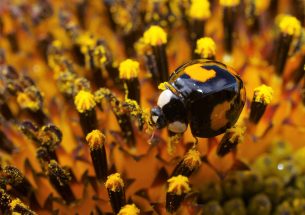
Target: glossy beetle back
[213,94]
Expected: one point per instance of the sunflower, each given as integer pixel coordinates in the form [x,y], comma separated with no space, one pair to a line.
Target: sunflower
[78,79]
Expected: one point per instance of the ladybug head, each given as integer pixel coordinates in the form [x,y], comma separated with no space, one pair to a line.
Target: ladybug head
[158,117]
[170,112]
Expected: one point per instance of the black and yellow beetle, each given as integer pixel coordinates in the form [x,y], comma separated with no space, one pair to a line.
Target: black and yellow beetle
[206,94]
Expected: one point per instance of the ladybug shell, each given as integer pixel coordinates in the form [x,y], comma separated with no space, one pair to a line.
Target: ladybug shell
[213,94]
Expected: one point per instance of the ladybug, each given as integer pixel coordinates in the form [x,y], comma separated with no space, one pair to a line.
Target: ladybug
[206,94]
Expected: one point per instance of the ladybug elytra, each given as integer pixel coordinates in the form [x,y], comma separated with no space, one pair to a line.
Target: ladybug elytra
[206,94]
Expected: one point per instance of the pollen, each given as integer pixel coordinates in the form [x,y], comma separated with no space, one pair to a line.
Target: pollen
[129,69]
[57,44]
[27,101]
[290,25]
[155,36]
[129,210]
[17,202]
[237,133]
[263,94]
[86,42]
[163,86]
[114,182]
[95,139]
[229,3]
[14,203]
[200,9]
[178,185]
[100,56]
[205,47]
[84,101]
[261,5]
[192,159]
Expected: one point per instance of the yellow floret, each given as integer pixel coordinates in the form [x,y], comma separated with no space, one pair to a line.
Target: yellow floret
[178,185]
[192,159]
[86,42]
[84,101]
[290,25]
[27,101]
[205,47]
[261,5]
[200,9]
[155,35]
[100,56]
[95,139]
[114,182]
[263,94]
[129,69]
[229,3]
[237,133]
[129,210]
[57,44]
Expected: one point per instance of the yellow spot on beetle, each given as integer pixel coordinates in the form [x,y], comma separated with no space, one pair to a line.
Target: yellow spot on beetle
[218,117]
[198,73]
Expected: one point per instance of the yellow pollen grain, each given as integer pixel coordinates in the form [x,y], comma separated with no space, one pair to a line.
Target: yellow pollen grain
[57,44]
[290,25]
[84,101]
[130,209]
[237,133]
[205,47]
[263,94]
[200,9]
[155,35]
[114,182]
[163,86]
[198,73]
[95,139]
[16,202]
[141,47]
[26,101]
[178,185]
[129,69]
[229,3]
[85,41]
[261,5]
[192,159]
[100,55]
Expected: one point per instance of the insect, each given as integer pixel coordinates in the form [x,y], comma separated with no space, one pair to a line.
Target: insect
[206,94]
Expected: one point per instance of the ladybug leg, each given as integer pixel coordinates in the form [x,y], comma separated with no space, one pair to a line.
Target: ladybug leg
[195,144]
